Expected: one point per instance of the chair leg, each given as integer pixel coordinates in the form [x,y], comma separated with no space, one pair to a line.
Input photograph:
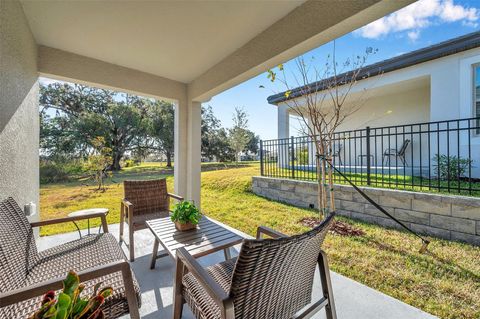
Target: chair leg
[177,291]
[327,285]
[130,292]
[122,221]
[131,244]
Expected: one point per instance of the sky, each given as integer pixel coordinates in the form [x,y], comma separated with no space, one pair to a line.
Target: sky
[423,23]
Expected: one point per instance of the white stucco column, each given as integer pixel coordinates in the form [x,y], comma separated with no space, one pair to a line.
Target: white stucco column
[187,158]
[283,121]
[180,148]
[283,118]
[194,151]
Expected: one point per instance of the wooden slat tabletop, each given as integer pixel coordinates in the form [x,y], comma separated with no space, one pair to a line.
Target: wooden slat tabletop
[207,238]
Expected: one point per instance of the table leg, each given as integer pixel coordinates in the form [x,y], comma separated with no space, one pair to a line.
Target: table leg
[88,224]
[78,229]
[227,254]
[154,253]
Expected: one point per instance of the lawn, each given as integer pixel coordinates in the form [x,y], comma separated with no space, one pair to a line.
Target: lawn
[399,179]
[444,282]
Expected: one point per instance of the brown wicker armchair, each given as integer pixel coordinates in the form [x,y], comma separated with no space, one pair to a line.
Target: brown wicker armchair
[26,274]
[144,200]
[271,278]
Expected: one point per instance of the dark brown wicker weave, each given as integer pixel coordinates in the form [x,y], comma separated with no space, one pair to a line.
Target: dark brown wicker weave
[144,200]
[271,278]
[25,273]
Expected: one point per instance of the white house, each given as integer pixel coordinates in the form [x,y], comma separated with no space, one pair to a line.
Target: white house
[437,83]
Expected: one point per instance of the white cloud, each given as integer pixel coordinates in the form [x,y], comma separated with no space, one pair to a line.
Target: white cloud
[420,15]
[413,35]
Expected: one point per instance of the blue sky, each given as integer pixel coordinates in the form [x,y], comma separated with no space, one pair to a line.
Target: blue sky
[421,24]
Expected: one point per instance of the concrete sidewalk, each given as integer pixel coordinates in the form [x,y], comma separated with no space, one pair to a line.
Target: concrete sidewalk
[353,300]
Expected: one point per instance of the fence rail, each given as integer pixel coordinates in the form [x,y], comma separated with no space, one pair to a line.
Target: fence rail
[441,156]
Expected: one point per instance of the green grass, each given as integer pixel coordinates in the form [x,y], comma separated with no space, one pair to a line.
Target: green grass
[386,180]
[444,282]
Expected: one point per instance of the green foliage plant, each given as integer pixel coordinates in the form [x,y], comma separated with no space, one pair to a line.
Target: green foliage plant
[186,212]
[68,304]
[450,167]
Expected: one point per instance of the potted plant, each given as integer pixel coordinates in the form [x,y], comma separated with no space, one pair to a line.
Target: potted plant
[185,215]
[68,304]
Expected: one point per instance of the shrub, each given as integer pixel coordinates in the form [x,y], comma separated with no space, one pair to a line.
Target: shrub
[129,163]
[450,167]
[59,171]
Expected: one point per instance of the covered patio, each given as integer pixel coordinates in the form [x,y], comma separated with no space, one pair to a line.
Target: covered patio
[185,52]
[353,300]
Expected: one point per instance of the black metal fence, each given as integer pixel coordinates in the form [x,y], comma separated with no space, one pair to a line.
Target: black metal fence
[439,156]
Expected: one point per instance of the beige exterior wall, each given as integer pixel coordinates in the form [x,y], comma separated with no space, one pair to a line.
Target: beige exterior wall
[19,122]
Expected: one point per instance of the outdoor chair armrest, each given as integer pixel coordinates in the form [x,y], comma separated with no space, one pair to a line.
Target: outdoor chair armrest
[263,230]
[102,216]
[177,197]
[126,203]
[25,293]
[221,298]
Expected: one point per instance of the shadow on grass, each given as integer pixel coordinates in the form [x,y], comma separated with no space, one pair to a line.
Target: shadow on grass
[425,259]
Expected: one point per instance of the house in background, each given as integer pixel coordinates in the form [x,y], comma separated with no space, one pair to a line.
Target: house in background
[437,89]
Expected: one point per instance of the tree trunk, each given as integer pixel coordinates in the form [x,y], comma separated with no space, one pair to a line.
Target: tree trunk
[117,157]
[169,158]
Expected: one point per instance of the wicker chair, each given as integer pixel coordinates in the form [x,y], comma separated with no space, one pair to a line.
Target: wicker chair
[26,274]
[144,200]
[271,278]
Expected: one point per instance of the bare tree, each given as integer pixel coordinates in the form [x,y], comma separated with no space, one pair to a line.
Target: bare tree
[322,101]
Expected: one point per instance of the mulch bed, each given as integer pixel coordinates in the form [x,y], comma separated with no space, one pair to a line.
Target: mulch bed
[338,227]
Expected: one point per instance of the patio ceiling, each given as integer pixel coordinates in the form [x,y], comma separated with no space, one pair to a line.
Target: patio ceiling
[155,37]
[210,45]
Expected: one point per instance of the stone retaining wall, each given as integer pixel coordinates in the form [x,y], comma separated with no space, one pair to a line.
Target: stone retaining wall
[445,216]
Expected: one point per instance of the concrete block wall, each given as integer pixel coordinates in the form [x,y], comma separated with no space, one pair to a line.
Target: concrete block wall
[444,216]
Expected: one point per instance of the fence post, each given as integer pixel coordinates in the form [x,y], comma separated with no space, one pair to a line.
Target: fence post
[369,164]
[292,166]
[261,158]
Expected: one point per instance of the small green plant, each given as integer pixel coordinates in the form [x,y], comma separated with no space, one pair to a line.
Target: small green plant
[186,212]
[68,304]
[450,167]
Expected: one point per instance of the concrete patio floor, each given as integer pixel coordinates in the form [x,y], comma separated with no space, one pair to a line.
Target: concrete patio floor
[353,300]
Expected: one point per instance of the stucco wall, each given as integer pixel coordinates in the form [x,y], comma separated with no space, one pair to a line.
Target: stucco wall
[403,107]
[19,122]
[444,216]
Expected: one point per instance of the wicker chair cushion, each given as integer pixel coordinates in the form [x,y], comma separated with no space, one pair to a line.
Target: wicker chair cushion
[197,298]
[18,251]
[88,252]
[147,197]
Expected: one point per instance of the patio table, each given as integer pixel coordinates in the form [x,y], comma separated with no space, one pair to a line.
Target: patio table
[87,212]
[208,237]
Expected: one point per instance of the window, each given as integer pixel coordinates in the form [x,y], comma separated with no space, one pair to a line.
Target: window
[476,96]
